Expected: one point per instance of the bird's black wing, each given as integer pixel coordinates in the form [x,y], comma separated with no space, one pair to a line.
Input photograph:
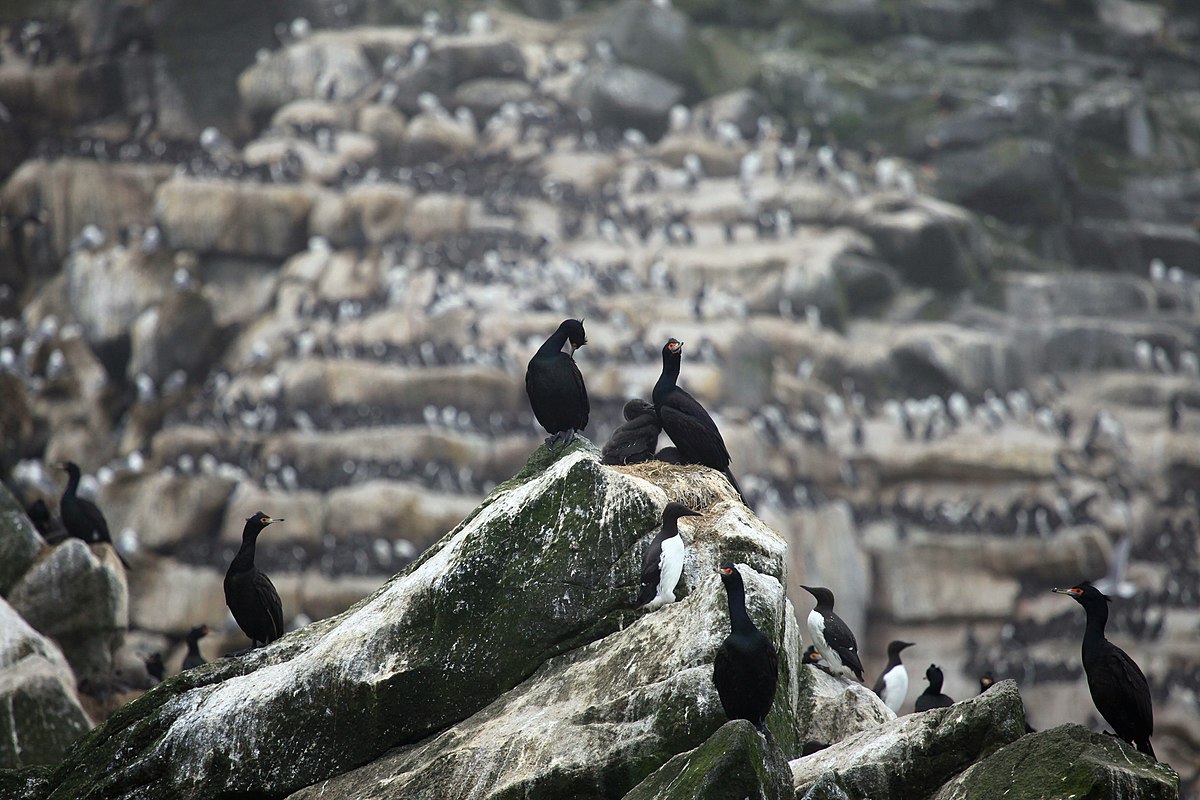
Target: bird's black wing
[1130,695]
[583,396]
[693,430]
[879,684]
[723,675]
[650,572]
[96,520]
[632,442]
[269,598]
[839,637]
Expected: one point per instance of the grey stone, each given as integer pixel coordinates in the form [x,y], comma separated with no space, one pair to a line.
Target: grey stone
[259,221]
[742,107]
[108,290]
[180,333]
[1017,179]
[326,66]
[655,38]
[40,716]
[628,97]
[484,96]
[1067,761]
[20,542]
[841,707]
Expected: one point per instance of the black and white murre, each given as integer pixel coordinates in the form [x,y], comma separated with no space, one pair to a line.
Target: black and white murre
[892,686]
[932,697]
[662,565]
[746,668]
[249,593]
[555,385]
[832,637]
[1118,687]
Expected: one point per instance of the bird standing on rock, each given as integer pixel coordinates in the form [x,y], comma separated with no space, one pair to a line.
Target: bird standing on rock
[249,593]
[932,697]
[833,637]
[555,386]
[662,565]
[687,423]
[193,657]
[1118,687]
[747,666]
[892,686]
[634,440]
[82,518]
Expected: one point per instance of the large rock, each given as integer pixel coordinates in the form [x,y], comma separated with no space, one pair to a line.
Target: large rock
[840,708]
[40,715]
[20,542]
[255,220]
[1018,179]
[331,66]
[628,97]
[546,567]
[938,358]
[914,755]
[734,763]
[107,290]
[77,597]
[1067,761]
[180,333]
[657,38]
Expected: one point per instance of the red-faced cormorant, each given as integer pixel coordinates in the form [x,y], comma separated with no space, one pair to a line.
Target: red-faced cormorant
[633,441]
[932,697]
[832,636]
[81,517]
[154,666]
[249,593]
[1119,689]
[892,686]
[555,385]
[662,565]
[193,657]
[687,423]
[747,666]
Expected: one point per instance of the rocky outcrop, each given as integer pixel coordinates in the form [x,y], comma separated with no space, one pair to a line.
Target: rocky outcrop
[20,543]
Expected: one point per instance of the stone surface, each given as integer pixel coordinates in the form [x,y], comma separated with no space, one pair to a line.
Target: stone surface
[841,708]
[628,97]
[733,763]
[20,543]
[914,755]
[232,218]
[1067,761]
[180,333]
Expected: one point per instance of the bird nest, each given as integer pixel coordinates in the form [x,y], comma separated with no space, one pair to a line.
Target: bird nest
[693,485]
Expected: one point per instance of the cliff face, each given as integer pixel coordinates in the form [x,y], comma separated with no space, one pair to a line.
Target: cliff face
[507,662]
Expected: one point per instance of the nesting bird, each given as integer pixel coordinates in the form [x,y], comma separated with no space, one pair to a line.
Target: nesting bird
[555,385]
[746,668]
[634,440]
[832,637]
[1118,687]
[662,564]
[249,593]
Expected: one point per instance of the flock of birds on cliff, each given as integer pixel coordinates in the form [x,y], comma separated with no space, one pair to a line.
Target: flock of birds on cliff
[745,669]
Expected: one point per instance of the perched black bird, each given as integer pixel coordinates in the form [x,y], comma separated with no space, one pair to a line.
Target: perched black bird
[1118,687]
[663,563]
[39,514]
[986,681]
[193,657]
[892,686]
[932,697]
[832,636]
[249,593]
[555,385]
[154,666]
[81,517]
[687,423]
[633,441]
[811,655]
[747,666]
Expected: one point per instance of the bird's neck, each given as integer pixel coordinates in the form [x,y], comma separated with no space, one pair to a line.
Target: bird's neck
[193,646]
[666,381]
[935,685]
[1093,633]
[554,345]
[739,620]
[72,484]
[670,527]
[893,662]
[244,560]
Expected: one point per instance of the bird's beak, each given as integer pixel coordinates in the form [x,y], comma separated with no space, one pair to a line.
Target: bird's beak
[270,520]
[691,513]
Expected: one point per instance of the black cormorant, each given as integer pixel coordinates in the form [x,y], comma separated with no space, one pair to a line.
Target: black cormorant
[193,657]
[662,565]
[832,636]
[634,440]
[154,666]
[932,697]
[81,517]
[1118,687]
[892,686]
[747,666]
[555,385]
[687,423]
[249,593]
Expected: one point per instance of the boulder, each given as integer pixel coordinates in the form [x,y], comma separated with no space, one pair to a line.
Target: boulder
[743,107]
[628,97]
[533,591]
[255,220]
[841,708]
[1017,179]
[952,20]
[653,37]
[387,127]
[77,596]
[180,333]
[327,66]
[20,543]
[938,358]
[484,96]
[930,242]
[40,715]
[432,137]
[914,755]
[1074,761]
[734,763]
